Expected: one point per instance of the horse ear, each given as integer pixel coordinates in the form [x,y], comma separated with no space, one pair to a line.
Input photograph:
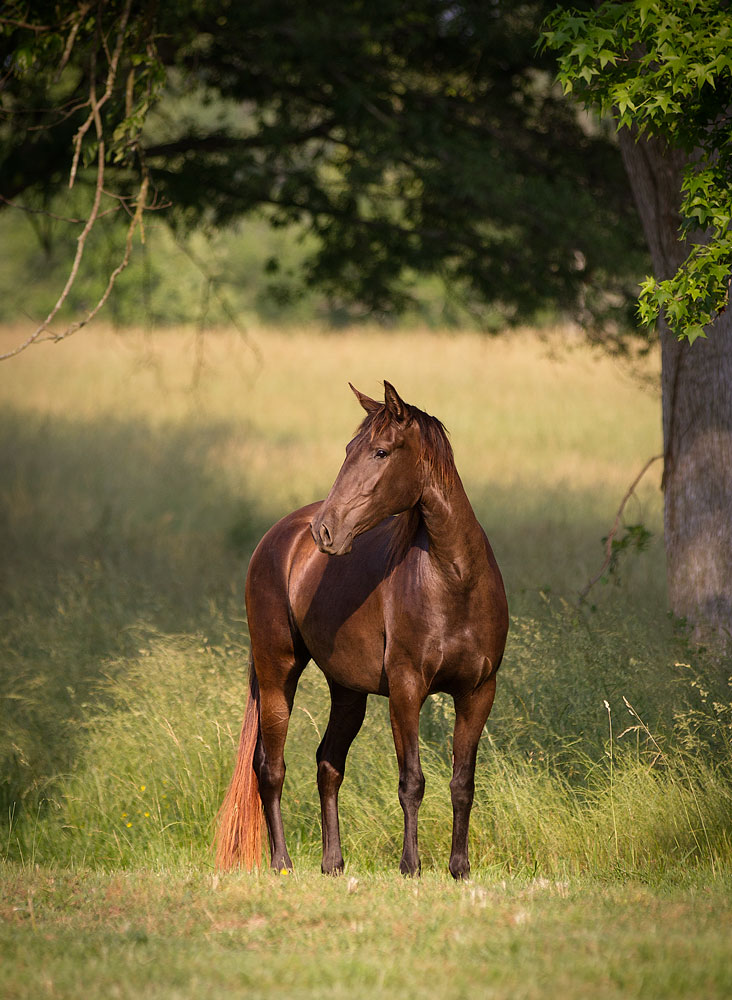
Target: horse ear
[394,404]
[367,402]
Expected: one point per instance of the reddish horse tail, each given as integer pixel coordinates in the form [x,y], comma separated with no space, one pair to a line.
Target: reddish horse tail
[239,831]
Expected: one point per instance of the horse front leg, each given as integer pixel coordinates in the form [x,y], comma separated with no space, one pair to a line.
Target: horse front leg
[404,707]
[471,713]
[347,711]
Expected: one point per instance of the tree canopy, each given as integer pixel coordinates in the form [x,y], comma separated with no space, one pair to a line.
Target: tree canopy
[405,138]
[664,68]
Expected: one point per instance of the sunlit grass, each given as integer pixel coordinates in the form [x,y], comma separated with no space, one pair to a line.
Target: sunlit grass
[547,438]
[155,756]
[139,473]
[164,935]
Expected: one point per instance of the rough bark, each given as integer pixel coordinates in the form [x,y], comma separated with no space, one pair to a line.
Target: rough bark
[696,386]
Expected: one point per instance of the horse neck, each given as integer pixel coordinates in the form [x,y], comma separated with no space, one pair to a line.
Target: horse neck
[456,545]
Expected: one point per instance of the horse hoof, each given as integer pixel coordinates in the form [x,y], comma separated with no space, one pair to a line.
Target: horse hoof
[460,873]
[410,872]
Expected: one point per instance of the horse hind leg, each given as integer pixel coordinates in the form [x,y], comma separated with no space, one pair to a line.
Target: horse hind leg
[471,713]
[277,693]
[347,712]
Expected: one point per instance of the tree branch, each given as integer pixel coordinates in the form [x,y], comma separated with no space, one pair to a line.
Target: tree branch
[95,105]
[614,530]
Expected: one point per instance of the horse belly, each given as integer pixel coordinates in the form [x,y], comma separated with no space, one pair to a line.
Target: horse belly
[353,660]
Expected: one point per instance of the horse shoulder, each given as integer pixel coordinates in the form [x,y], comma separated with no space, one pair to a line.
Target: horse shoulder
[278,546]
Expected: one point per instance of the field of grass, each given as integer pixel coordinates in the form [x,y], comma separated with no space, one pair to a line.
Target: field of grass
[135,934]
[138,473]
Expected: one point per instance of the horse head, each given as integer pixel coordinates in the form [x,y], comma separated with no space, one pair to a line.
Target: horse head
[383,473]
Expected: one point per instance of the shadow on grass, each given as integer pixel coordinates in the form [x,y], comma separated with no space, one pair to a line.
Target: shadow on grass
[104,529]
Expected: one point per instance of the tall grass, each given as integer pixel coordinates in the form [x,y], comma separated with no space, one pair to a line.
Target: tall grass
[155,757]
[136,484]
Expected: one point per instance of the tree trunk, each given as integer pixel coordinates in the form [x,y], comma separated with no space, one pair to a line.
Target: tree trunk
[696,386]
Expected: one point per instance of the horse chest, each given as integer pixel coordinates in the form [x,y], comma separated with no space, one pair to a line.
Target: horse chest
[441,636]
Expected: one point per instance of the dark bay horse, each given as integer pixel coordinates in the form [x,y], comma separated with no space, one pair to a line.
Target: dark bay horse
[391,587]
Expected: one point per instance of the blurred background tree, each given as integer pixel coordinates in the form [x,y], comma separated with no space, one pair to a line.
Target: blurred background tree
[384,160]
[391,159]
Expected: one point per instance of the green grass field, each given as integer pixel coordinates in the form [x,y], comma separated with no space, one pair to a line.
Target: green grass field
[138,473]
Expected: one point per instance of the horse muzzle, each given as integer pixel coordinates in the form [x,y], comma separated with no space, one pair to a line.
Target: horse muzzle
[330,541]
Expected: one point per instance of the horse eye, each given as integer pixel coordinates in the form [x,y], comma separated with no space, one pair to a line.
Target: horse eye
[380,453]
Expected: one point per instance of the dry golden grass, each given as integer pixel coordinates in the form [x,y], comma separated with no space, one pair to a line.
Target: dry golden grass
[547,433]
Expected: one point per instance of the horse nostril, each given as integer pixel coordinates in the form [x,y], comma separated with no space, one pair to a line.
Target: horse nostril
[325,535]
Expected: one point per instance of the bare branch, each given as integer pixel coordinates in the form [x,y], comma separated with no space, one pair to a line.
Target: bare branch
[26,25]
[36,336]
[96,106]
[134,224]
[59,218]
[82,238]
[83,11]
[614,530]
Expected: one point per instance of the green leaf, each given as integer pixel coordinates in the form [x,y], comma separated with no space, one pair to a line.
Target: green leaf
[644,8]
[693,333]
[606,56]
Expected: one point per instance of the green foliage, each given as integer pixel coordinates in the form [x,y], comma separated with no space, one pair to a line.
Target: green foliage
[404,140]
[662,68]
[636,539]
[249,271]
[67,94]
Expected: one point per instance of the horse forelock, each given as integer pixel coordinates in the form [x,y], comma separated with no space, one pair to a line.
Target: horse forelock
[436,452]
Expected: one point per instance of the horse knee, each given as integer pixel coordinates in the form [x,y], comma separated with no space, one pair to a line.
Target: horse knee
[462,791]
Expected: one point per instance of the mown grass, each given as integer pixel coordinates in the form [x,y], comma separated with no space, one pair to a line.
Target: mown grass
[138,474]
[132,934]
